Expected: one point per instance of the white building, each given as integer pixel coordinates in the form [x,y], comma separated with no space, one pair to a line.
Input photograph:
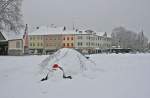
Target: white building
[89,41]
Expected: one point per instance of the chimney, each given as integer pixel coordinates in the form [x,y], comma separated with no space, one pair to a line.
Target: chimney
[64,29]
[37,27]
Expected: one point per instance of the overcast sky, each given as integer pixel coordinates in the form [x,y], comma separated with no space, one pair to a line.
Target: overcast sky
[99,15]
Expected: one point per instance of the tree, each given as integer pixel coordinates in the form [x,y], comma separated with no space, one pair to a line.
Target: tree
[142,41]
[10,15]
[128,39]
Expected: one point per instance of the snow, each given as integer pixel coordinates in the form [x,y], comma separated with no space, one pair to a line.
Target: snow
[46,30]
[118,76]
[11,35]
[70,60]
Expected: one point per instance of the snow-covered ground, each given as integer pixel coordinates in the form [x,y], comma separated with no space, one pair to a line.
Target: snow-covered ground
[117,76]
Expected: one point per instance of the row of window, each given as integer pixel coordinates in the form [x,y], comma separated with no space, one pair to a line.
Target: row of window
[41,44]
[36,44]
[68,44]
[93,44]
[36,38]
[68,38]
[51,45]
[93,38]
[50,38]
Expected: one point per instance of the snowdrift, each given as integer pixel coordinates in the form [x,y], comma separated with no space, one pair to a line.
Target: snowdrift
[71,60]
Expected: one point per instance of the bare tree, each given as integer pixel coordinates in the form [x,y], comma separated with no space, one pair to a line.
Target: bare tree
[10,15]
[142,41]
[128,39]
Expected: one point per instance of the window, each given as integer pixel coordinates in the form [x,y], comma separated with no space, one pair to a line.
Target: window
[72,44]
[79,37]
[30,44]
[88,37]
[64,38]
[18,44]
[33,44]
[33,37]
[67,38]
[64,44]
[38,44]
[92,44]
[37,37]
[30,38]
[79,43]
[71,38]
[87,43]
[41,44]
[67,44]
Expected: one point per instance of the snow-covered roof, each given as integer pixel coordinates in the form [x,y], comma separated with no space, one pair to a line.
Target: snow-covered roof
[4,34]
[13,35]
[100,33]
[46,30]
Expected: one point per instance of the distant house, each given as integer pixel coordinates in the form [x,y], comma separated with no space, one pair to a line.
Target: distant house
[11,43]
[15,47]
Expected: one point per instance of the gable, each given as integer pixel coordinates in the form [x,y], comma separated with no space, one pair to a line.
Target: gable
[2,36]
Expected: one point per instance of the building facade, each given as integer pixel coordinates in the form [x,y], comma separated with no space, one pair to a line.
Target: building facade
[15,47]
[90,42]
[11,43]
[52,43]
[48,40]
[36,43]
[68,41]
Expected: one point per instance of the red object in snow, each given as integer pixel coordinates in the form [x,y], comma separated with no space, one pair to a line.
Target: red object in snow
[55,66]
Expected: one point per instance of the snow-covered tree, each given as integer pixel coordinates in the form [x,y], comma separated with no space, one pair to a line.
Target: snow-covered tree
[128,39]
[142,41]
[10,15]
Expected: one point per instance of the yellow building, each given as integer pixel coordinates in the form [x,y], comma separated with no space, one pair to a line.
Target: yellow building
[36,43]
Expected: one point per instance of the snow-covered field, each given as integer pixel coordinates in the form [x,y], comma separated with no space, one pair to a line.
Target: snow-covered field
[117,76]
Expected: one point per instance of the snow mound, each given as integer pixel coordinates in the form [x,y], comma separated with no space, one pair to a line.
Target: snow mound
[70,60]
